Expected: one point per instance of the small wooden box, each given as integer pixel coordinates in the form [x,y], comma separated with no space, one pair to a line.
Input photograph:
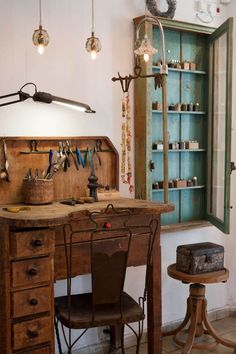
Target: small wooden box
[192,145]
[192,66]
[185,65]
[180,183]
[199,258]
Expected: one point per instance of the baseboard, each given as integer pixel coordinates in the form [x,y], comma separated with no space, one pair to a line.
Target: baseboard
[130,340]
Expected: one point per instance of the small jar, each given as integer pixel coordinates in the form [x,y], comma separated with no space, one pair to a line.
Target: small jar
[182,145]
[152,165]
[171,183]
[175,145]
[159,106]
[178,107]
[194,179]
[154,105]
[189,183]
[171,107]
[155,185]
[190,107]
[196,107]
[154,146]
[184,107]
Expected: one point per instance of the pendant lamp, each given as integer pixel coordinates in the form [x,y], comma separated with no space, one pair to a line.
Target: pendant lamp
[40,36]
[93,44]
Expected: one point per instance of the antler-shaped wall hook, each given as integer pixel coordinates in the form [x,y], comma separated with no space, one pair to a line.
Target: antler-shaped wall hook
[125,81]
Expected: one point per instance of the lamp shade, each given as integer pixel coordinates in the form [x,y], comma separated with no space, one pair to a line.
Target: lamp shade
[44,97]
[48,98]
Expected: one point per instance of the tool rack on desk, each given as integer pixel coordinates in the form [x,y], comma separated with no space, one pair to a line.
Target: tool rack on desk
[24,153]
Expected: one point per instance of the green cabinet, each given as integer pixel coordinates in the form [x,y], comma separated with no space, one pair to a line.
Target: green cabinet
[199,86]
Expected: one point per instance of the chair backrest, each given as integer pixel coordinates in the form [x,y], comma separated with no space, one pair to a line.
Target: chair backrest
[110,243]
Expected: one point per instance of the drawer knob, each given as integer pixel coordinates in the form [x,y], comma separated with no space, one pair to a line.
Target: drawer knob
[32,334]
[107,225]
[32,271]
[33,302]
[37,243]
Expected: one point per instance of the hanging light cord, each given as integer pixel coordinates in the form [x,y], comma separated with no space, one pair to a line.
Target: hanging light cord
[40,14]
[92,16]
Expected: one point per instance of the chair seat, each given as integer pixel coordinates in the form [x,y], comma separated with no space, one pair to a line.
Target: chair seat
[81,314]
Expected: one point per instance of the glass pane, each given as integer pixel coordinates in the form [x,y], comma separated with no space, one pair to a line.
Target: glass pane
[219,77]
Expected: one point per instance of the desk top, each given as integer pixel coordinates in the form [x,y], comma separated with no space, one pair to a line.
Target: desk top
[57,213]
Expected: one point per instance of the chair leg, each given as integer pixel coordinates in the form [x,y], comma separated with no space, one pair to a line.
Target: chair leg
[117,338]
[139,336]
[57,335]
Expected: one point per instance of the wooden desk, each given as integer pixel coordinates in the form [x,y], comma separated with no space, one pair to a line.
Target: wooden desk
[31,258]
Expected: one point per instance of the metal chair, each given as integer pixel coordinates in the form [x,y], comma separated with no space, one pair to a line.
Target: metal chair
[107,304]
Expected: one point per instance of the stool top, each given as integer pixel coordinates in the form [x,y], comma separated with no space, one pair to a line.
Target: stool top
[207,278]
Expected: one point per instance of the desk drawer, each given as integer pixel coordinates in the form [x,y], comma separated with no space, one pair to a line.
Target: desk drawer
[32,243]
[31,272]
[31,301]
[44,350]
[29,333]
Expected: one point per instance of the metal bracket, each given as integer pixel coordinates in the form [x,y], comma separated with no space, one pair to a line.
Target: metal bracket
[232,167]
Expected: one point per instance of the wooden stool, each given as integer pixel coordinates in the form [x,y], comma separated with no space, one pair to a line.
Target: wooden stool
[197,310]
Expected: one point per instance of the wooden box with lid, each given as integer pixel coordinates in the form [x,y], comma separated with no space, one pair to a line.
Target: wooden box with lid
[199,258]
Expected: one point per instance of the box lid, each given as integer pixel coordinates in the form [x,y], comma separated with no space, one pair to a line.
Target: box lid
[199,249]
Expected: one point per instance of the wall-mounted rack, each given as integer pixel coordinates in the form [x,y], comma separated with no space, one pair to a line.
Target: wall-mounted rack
[26,153]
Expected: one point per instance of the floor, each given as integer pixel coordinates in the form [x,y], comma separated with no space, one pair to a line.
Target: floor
[225,327]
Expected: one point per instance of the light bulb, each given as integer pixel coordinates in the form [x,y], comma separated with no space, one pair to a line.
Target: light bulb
[146,57]
[93,54]
[40,49]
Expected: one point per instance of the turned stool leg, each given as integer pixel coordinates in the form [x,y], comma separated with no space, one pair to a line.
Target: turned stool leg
[211,331]
[196,297]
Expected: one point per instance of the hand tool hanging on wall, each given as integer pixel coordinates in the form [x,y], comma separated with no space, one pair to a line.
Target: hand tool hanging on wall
[72,154]
[95,152]
[79,157]
[4,173]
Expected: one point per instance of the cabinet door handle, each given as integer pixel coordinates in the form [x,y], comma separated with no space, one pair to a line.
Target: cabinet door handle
[33,271]
[33,302]
[32,334]
[37,243]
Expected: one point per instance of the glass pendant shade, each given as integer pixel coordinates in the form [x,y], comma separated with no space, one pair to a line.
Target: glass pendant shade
[40,39]
[93,46]
[146,49]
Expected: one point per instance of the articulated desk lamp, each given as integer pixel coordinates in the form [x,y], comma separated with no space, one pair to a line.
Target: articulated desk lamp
[46,98]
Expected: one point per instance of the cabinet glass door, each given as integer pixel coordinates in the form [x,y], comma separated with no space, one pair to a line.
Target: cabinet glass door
[219,126]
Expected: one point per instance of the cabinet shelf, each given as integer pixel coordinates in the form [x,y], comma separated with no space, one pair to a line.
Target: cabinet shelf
[180,112]
[180,150]
[178,189]
[199,72]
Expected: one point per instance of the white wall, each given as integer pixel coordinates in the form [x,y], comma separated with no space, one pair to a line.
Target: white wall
[66,70]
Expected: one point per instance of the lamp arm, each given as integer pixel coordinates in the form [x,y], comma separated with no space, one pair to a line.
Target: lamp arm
[22,97]
[155,20]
